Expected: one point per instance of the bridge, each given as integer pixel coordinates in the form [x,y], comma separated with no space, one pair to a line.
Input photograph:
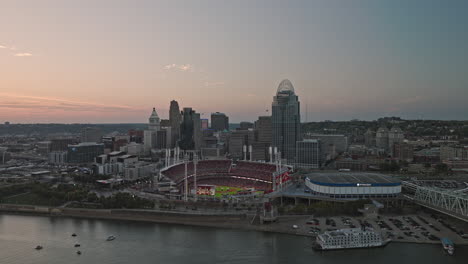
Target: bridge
[453,203]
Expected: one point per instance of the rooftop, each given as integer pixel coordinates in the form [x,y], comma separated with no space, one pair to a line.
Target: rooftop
[352,178]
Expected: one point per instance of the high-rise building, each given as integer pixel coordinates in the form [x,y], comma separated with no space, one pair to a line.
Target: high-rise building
[174,119]
[246,125]
[204,124]
[91,134]
[150,134]
[263,129]
[219,121]
[190,130]
[237,140]
[308,154]
[286,120]
[260,148]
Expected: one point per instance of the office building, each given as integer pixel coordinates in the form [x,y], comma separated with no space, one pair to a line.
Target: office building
[403,151]
[150,135]
[91,134]
[58,157]
[84,152]
[237,140]
[263,138]
[286,121]
[204,124]
[136,135]
[308,154]
[330,145]
[61,144]
[175,120]
[246,125]
[219,121]
[190,130]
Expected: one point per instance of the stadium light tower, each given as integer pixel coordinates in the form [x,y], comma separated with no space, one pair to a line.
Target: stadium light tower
[195,163]
[186,158]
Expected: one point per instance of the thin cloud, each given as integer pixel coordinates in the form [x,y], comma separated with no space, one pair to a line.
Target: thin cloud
[170,66]
[3,47]
[186,67]
[180,67]
[24,54]
[11,101]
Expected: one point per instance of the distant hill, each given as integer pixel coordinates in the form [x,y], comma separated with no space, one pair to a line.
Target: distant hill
[47,129]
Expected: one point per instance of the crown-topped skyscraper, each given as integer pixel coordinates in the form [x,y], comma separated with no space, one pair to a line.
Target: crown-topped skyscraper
[286,120]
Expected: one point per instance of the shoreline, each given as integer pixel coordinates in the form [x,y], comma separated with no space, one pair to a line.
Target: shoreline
[213,220]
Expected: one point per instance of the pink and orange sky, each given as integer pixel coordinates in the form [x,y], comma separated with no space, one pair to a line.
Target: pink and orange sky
[112,61]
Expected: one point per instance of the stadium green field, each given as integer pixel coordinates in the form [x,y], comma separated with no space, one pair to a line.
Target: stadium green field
[226,190]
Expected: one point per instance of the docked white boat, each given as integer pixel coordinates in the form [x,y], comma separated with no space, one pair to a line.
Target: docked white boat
[350,238]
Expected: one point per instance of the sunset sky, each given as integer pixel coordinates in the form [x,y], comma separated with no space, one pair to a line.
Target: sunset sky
[111,61]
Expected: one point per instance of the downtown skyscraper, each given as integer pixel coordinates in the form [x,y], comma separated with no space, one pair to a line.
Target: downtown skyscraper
[286,120]
[174,119]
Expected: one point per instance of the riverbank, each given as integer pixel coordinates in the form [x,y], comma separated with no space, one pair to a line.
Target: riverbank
[240,221]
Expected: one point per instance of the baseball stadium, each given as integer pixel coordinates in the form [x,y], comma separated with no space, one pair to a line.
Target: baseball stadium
[218,178]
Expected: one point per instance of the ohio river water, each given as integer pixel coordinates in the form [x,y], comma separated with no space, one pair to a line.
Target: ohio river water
[139,242]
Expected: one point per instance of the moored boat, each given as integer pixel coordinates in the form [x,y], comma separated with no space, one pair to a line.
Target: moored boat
[350,238]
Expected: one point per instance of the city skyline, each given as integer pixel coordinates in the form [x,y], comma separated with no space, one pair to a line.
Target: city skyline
[113,61]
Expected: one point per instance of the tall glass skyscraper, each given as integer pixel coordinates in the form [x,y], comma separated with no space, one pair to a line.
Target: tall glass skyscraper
[286,121]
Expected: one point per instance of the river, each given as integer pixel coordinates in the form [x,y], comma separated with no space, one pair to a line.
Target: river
[139,242]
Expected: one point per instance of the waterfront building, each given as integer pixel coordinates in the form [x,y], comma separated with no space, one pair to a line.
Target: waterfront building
[286,120]
[219,121]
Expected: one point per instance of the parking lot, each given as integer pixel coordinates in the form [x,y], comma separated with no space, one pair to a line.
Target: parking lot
[421,228]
